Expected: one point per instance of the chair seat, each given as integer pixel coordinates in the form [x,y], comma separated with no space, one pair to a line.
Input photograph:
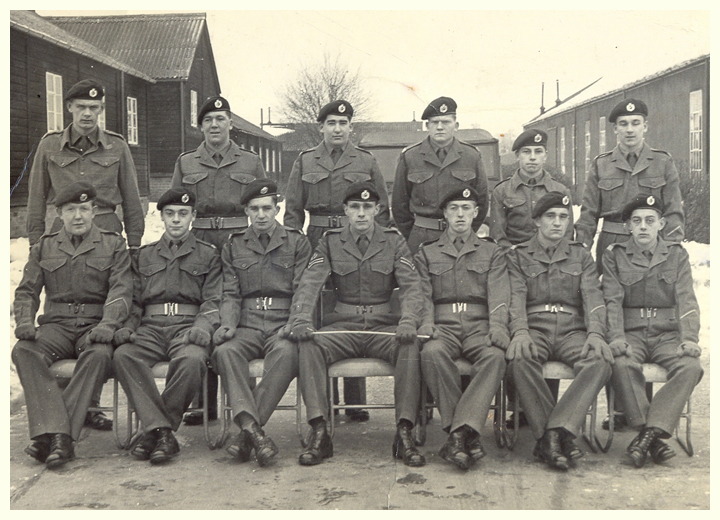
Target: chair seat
[361,367]
[160,370]
[256,367]
[557,370]
[464,366]
[654,373]
[63,369]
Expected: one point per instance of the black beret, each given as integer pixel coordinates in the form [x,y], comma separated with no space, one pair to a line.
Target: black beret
[212,104]
[86,89]
[442,106]
[363,191]
[460,193]
[628,107]
[75,193]
[335,108]
[258,188]
[552,199]
[530,138]
[177,196]
[643,201]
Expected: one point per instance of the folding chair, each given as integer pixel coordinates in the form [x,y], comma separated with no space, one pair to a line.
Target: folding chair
[655,373]
[498,407]
[558,370]
[63,371]
[357,367]
[257,367]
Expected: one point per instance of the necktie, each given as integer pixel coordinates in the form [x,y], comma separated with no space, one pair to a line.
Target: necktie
[363,243]
[442,153]
[217,157]
[264,240]
[83,144]
[76,241]
[174,246]
[458,243]
[335,155]
[531,182]
[648,255]
[632,159]
[550,251]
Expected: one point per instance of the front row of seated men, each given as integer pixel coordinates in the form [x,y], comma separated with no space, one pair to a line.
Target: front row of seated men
[501,310]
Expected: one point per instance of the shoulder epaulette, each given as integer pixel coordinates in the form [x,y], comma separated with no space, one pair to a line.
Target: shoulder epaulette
[428,242]
[186,153]
[248,151]
[363,150]
[307,151]
[411,146]
[148,245]
[468,145]
[617,244]
[205,243]
[108,232]
[114,134]
[604,154]
[49,234]
[292,229]
[333,231]
[488,239]
[661,151]
[238,233]
[52,132]
[392,231]
[502,182]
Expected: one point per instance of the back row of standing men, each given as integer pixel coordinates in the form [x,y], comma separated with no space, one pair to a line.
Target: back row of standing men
[550,306]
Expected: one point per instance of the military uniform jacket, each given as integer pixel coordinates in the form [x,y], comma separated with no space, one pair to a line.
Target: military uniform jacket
[217,187]
[97,272]
[250,271]
[466,276]
[511,206]
[318,186]
[108,166]
[569,278]
[611,184]
[361,279]
[192,275]
[631,280]
[421,181]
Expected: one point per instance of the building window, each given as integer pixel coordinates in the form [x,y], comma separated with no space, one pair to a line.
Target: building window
[267,159]
[252,147]
[603,142]
[274,159]
[696,158]
[572,153]
[54,97]
[193,108]
[588,157]
[132,120]
[101,118]
[562,151]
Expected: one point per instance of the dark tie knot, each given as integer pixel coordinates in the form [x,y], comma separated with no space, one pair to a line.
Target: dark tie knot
[441,153]
[363,243]
[459,242]
[632,159]
[264,239]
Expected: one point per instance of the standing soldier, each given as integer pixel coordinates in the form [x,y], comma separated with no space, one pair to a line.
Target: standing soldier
[364,263]
[85,272]
[557,313]
[318,181]
[178,284]
[85,152]
[653,317]
[465,319]
[430,168]
[513,199]
[217,173]
[261,271]
[617,177]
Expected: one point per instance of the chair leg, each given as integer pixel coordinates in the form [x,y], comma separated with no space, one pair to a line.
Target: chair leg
[299,424]
[499,417]
[421,430]
[589,435]
[512,438]
[122,443]
[687,443]
[331,390]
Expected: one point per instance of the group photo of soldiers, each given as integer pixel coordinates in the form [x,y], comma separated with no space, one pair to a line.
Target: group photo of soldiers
[440,269]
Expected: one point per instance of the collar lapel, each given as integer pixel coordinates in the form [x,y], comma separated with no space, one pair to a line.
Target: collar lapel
[453,154]
[347,157]
[349,245]
[429,154]
[252,242]
[620,160]
[447,245]
[322,155]
[277,238]
[90,241]
[644,158]
[376,243]
[65,243]
[661,253]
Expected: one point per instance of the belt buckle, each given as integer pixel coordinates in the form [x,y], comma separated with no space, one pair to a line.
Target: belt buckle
[364,309]
[333,221]
[263,303]
[442,224]
[217,222]
[648,312]
[459,307]
[170,309]
[551,307]
[76,307]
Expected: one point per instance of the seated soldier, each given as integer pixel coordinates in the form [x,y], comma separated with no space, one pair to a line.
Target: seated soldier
[86,274]
[178,284]
[364,263]
[653,317]
[557,313]
[261,267]
[465,319]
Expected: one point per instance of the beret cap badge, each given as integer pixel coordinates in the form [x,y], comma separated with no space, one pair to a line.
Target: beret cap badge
[630,107]
[93,92]
[537,138]
[566,200]
[365,195]
[263,190]
[466,193]
[83,197]
[342,109]
[651,200]
[185,198]
[443,108]
[218,103]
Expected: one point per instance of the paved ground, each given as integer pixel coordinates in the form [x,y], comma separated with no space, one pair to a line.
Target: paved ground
[361,475]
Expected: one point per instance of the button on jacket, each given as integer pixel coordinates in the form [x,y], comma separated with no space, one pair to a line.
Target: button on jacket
[250,271]
[421,181]
[217,187]
[511,206]
[318,186]
[108,166]
[612,183]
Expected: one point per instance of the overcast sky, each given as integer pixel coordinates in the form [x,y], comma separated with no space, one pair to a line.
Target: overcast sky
[491,62]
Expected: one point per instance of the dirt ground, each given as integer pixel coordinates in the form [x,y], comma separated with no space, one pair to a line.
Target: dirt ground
[361,475]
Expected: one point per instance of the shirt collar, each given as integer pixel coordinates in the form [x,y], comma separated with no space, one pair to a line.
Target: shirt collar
[356,235]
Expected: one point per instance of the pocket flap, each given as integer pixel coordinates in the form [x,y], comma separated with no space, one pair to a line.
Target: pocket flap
[52,264]
[63,160]
[651,182]
[244,263]
[284,261]
[343,268]
[151,269]
[419,177]
[668,276]
[463,175]
[610,184]
[195,269]
[478,267]
[574,269]
[101,263]
[105,161]
[314,177]
[384,267]
[243,178]
[514,202]
[534,270]
[356,176]
[439,268]
[630,277]
[194,178]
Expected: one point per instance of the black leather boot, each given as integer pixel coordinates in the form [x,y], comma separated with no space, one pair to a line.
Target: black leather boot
[265,448]
[319,446]
[638,449]
[569,448]
[548,449]
[660,452]
[454,449]
[473,446]
[166,448]
[145,445]
[404,447]
[241,446]
[61,450]
[39,448]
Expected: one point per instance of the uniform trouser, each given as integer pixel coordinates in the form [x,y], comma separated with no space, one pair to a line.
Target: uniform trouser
[217,237]
[458,408]
[109,222]
[629,383]
[161,339]
[321,351]
[49,409]
[559,337]
[231,360]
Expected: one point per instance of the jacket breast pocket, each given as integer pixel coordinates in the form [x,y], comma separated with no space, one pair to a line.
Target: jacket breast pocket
[194,178]
[653,185]
[442,278]
[147,271]
[318,192]
[248,273]
[351,177]
[464,175]
[630,277]
[344,268]
[424,187]
[571,275]
[535,279]
[242,178]
[55,277]
[610,183]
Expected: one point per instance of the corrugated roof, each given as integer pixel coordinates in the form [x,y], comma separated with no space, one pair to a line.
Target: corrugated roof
[161,45]
[247,127]
[35,25]
[405,138]
[603,89]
